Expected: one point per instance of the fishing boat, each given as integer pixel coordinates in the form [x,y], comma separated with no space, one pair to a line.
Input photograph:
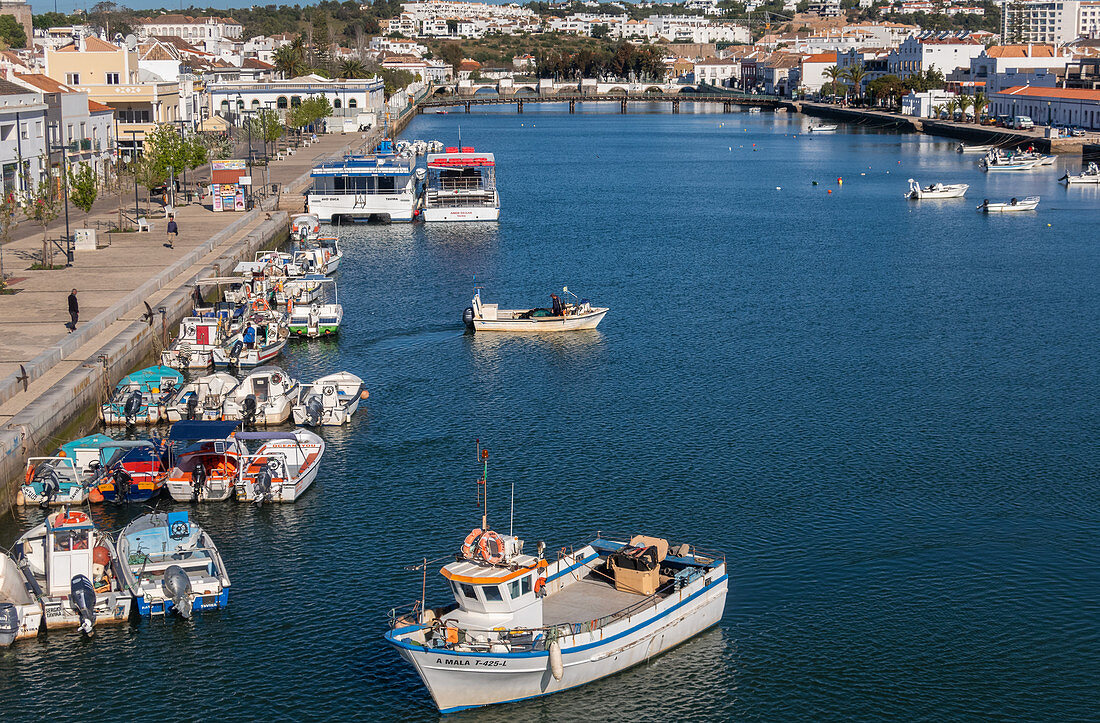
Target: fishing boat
[171,564]
[823,128]
[139,397]
[282,468]
[321,317]
[572,316]
[936,190]
[264,397]
[51,481]
[382,187]
[329,401]
[20,613]
[1026,204]
[997,161]
[461,186]
[301,290]
[204,457]
[128,471]
[754,110]
[1090,175]
[200,399]
[523,626]
[195,345]
[963,148]
[304,226]
[74,571]
[269,336]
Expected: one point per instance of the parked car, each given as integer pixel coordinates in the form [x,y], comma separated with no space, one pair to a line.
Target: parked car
[1023,123]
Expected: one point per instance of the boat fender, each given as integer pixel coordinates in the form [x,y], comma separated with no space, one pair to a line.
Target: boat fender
[20,498]
[95,496]
[557,668]
[364,394]
[470,543]
[30,474]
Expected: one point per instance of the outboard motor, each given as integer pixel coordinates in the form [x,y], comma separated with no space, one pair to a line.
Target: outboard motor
[314,410]
[51,485]
[132,406]
[122,484]
[235,352]
[468,317]
[248,411]
[261,486]
[192,406]
[198,481]
[82,599]
[9,624]
[177,588]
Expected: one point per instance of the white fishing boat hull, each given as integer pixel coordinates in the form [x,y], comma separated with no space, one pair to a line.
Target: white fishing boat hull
[1027,204]
[249,357]
[14,592]
[577,322]
[331,417]
[830,128]
[973,149]
[459,680]
[216,489]
[195,358]
[937,192]
[395,207]
[465,213]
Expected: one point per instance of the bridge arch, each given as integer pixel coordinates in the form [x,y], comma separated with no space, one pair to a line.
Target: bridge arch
[688,90]
[654,89]
[443,90]
[486,90]
[525,90]
[617,90]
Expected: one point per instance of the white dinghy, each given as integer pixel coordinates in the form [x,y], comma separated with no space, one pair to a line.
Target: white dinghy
[1090,175]
[264,397]
[963,148]
[329,401]
[282,468]
[1015,204]
[572,316]
[823,128]
[936,190]
[20,613]
[201,399]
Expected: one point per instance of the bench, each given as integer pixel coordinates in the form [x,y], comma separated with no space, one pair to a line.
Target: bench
[144,225]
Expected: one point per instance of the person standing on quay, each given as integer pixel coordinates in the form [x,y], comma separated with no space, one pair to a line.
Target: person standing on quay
[173,230]
[74,311]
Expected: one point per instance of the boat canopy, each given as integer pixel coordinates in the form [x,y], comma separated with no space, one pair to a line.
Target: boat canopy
[93,441]
[381,165]
[194,431]
[460,160]
[266,435]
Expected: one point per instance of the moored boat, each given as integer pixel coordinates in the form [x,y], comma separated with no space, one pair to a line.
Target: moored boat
[329,401]
[201,399]
[171,564]
[1027,204]
[204,458]
[381,187]
[461,186]
[264,397]
[572,316]
[257,343]
[20,613]
[139,397]
[320,317]
[282,468]
[53,481]
[304,226]
[963,148]
[823,128]
[128,471]
[936,190]
[195,345]
[1090,175]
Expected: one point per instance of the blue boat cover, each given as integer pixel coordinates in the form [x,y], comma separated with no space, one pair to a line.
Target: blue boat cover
[193,431]
[178,524]
[92,441]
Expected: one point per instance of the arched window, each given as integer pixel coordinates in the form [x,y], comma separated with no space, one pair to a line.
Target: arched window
[240,104]
[281,102]
[255,102]
[225,106]
[295,101]
[352,103]
[336,103]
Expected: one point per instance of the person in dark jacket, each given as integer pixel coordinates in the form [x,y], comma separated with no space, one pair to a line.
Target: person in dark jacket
[555,304]
[173,230]
[74,311]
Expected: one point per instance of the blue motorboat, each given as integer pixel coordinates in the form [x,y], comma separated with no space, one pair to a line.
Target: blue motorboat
[139,397]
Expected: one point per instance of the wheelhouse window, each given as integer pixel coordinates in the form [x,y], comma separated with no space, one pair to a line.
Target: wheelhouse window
[526,579]
[492,593]
[467,591]
[514,589]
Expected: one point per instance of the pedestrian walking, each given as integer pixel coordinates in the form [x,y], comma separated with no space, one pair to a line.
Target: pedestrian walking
[74,311]
[173,230]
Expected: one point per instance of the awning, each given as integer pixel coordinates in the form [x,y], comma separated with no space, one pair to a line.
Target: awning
[192,431]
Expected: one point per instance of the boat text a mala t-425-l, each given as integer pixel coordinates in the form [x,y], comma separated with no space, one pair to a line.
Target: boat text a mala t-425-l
[523,626]
[561,316]
[461,187]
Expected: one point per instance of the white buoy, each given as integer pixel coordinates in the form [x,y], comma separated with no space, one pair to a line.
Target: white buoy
[778,188]
[557,669]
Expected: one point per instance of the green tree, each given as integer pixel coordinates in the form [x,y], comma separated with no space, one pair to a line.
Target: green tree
[353,69]
[887,90]
[12,32]
[855,75]
[951,106]
[601,31]
[267,126]
[41,205]
[833,73]
[83,189]
[981,102]
[290,61]
[965,102]
[164,148]
[8,207]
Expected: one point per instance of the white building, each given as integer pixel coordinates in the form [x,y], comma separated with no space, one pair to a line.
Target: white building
[713,71]
[1049,21]
[920,105]
[917,55]
[1067,106]
[22,137]
[199,31]
[348,97]
[813,75]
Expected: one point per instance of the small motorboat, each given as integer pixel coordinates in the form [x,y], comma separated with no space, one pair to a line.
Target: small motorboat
[1015,204]
[329,401]
[200,399]
[139,397]
[51,481]
[322,256]
[1090,175]
[204,459]
[257,343]
[128,471]
[264,397]
[997,161]
[74,571]
[195,345]
[441,112]
[963,148]
[321,317]
[573,316]
[283,467]
[754,110]
[20,613]
[171,564]
[936,190]
[304,226]
[823,128]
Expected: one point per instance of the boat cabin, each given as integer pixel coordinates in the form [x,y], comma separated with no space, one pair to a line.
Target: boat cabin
[493,594]
[70,537]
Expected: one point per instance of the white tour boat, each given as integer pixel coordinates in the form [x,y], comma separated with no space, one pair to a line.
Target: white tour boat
[936,190]
[1016,204]
[1090,175]
[74,570]
[201,399]
[195,345]
[461,187]
[523,626]
[283,467]
[560,317]
[381,187]
[204,459]
[20,613]
[264,397]
[329,401]
[823,128]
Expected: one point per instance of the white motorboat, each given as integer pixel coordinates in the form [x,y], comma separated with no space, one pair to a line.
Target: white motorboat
[195,345]
[256,344]
[823,128]
[383,187]
[264,397]
[283,467]
[321,255]
[20,613]
[52,481]
[997,161]
[754,110]
[936,190]
[322,316]
[171,564]
[304,226]
[203,461]
[962,148]
[74,571]
[560,317]
[329,401]
[461,187]
[1090,175]
[523,626]
[201,399]
[1016,204]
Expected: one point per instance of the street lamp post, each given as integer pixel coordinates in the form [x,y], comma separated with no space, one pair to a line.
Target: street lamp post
[133,160]
[248,163]
[65,186]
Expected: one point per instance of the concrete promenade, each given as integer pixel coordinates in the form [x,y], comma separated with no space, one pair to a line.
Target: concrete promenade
[68,373]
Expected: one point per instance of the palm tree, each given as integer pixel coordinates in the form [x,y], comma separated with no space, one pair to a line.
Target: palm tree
[937,110]
[951,106]
[981,102]
[965,101]
[289,61]
[855,74]
[833,73]
[352,69]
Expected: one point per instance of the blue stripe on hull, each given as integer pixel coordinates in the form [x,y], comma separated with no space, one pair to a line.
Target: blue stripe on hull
[198,605]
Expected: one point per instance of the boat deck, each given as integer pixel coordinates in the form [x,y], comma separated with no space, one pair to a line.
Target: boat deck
[590,598]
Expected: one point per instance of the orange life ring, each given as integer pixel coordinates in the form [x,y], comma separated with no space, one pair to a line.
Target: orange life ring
[470,542]
[491,556]
[30,473]
[289,306]
[71,518]
[260,305]
[539,582]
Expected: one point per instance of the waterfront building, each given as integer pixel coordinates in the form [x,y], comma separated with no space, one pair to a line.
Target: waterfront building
[349,98]
[812,73]
[1065,106]
[920,105]
[1004,66]
[721,72]
[22,137]
[1049,21]
[918,54]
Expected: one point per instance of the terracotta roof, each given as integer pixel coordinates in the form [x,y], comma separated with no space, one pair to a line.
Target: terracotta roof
[92,44]
[469,64]
[94,107]
[44,83]
[820,58]
[256,64]
[1020,51]
[1063,93]
[9,88]
[157,51]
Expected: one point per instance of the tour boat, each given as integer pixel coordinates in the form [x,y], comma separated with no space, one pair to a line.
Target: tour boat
[205,457]
[20,613]
[195,345]
[304,226]
[936,190]
[139,397]
[561,317]
[1027,204]
[824,128]
[381,187]
[270,337]
[201,399]
[171,564]
[329,401]
[962,148]
[1090,175]
[282,468]
[51,481]
[523,626]
[74,571]
[128,471]
[264,397]
[321,317]
[461,186]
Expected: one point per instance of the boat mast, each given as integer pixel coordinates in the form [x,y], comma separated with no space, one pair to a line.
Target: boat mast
[483,485]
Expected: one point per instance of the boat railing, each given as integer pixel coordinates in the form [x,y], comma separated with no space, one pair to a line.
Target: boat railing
[361,191]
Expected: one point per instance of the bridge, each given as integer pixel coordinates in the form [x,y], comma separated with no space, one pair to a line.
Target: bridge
[687,95]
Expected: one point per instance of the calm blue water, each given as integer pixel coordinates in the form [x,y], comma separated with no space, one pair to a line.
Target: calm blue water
[883,411]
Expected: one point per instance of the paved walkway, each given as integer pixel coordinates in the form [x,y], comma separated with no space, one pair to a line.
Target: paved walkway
[33,320]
